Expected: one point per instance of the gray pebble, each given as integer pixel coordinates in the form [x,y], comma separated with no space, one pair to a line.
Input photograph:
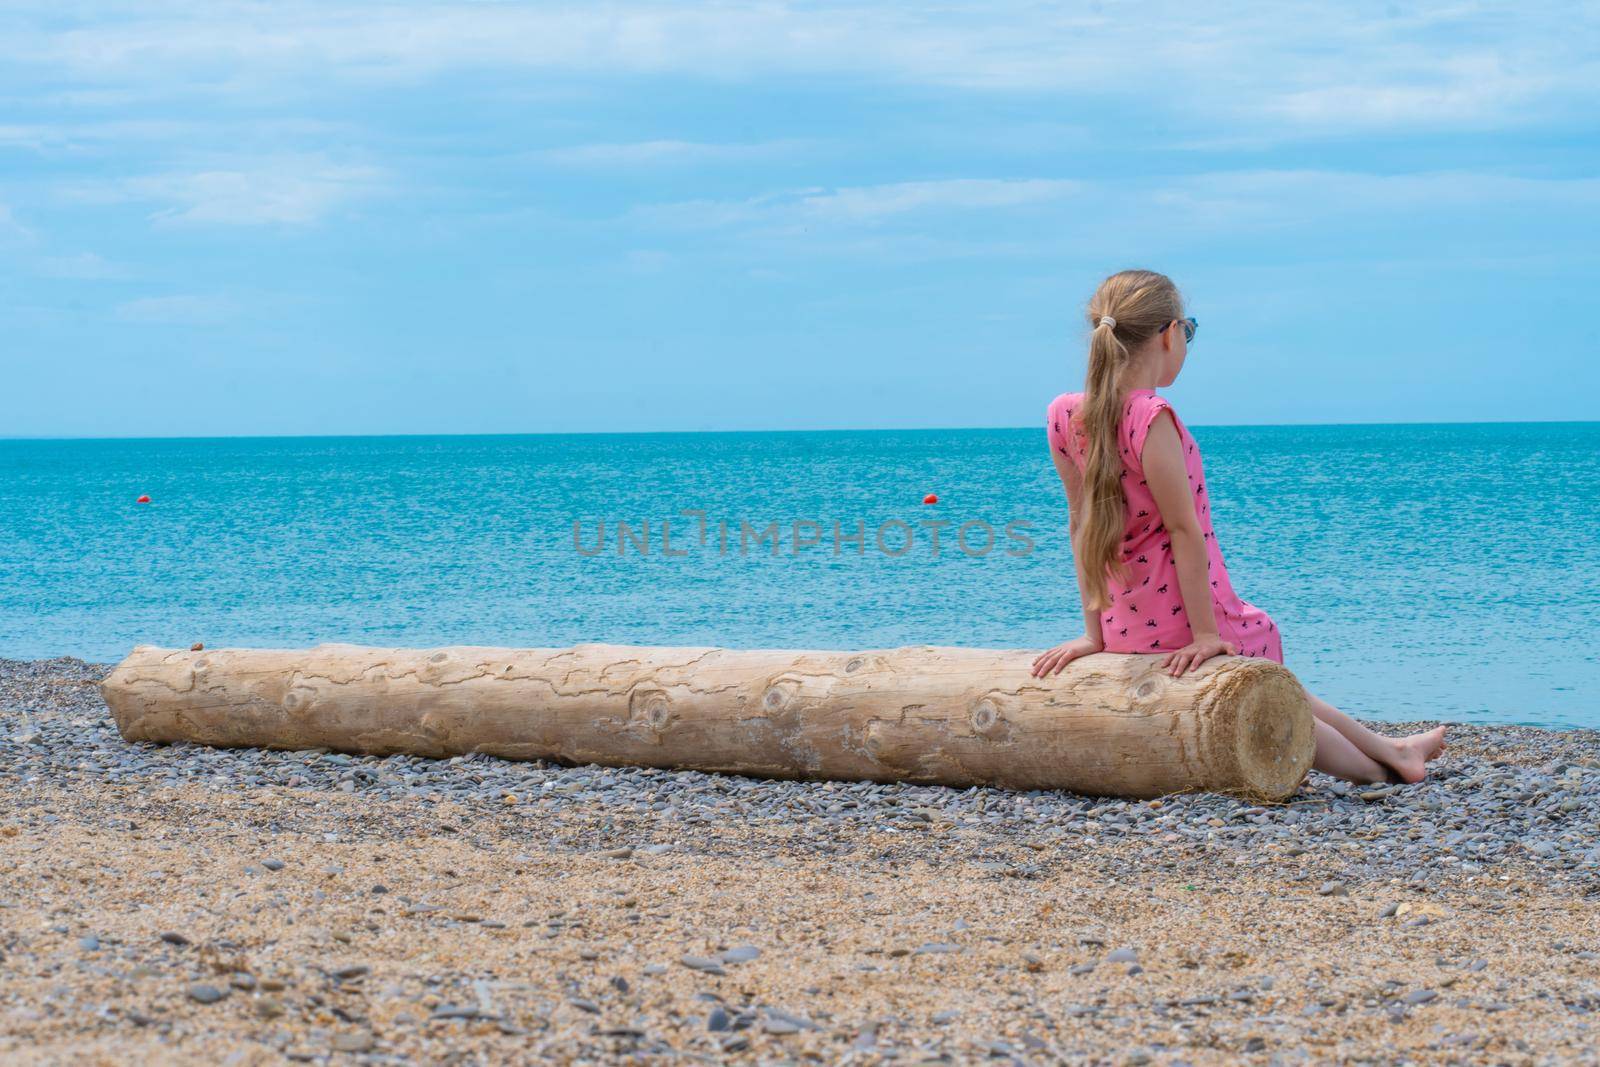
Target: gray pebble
[703,964]
[206,994]
[935,948]
[352,1041]
[456,1011]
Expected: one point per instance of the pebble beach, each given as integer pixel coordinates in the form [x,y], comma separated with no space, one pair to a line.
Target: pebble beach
[180,904]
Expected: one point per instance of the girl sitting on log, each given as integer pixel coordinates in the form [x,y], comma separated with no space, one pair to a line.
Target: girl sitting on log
[1149,566]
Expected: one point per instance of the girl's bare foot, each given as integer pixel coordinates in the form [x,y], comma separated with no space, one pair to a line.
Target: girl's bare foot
[1411,754]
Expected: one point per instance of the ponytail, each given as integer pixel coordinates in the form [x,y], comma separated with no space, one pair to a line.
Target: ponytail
[1128,308]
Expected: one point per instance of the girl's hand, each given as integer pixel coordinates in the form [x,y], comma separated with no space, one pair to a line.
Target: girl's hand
[1195,653]
[1058,657]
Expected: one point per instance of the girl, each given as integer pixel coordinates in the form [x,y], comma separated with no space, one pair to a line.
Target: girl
[1149,566]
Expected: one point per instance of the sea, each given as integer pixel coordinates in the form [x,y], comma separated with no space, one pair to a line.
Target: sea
[1416,571]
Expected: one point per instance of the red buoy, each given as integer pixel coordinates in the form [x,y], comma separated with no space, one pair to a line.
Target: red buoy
[142,500]
[931,498]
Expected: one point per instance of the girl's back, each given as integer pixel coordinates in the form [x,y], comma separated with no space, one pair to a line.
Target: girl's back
[1146,612]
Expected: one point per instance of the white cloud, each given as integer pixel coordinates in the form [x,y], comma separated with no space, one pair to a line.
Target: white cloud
[91,136]
[292,191]
[184,309]
[1464,91]
[27,137]
[1275,197]
[81,266]
[1050,217]
[32,254]
[860,205]
[14,235]
[646,260]
[8,222]
[1296,65]
[665,153]
[866,203]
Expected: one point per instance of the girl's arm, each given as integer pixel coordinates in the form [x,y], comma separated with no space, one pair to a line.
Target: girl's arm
[1168,479]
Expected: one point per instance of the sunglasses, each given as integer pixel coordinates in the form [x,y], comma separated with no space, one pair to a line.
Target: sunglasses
[1189,327]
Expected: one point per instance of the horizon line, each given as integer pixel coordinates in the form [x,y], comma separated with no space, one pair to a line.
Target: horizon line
[819,429]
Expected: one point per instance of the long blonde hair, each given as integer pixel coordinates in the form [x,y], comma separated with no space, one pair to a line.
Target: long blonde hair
[1138,303]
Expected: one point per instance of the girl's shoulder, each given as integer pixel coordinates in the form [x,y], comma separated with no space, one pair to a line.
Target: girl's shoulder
[1139,415]
[1058,422]
[1140,407]
[1064,402]
[1139,412]
[1147,404]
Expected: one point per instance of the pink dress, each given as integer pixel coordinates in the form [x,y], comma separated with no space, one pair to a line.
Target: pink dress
[1146,614]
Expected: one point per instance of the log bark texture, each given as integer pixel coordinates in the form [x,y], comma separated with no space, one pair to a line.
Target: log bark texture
[1108,724]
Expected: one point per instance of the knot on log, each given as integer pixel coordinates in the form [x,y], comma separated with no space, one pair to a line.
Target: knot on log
[299,700]
[776,699]
[651,708]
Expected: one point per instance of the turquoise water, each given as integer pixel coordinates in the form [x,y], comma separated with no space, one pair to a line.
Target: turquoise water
[1446,571]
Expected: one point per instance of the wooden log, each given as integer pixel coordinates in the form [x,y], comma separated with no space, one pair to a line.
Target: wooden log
[1108,724]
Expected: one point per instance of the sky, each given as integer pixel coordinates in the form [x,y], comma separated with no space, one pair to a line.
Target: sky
[225,218]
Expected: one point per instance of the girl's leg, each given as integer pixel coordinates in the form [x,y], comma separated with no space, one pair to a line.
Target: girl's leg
[1406,756]
[1337,755]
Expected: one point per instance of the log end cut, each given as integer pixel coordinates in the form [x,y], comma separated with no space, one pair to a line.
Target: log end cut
[1271,735]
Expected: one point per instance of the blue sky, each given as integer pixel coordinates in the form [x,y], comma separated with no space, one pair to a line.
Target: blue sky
[293,218]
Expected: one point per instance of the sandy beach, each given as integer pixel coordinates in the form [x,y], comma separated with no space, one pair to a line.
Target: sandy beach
[183,905]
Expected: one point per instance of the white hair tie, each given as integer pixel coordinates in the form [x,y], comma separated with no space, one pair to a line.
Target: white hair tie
[1107,320]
